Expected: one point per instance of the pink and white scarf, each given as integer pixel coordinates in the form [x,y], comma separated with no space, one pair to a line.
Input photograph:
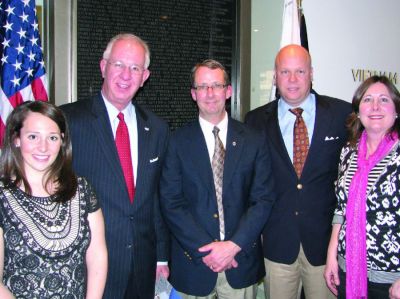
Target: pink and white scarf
[356,246]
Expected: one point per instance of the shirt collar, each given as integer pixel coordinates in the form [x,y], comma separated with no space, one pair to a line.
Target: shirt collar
[113,112]
[207,126]
[308,105]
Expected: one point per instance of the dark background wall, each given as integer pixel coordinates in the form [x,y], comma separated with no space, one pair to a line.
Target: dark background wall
[180,33]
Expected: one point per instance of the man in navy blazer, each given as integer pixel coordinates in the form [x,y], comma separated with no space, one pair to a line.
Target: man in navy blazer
[296,236]
[136,236]
[207,260]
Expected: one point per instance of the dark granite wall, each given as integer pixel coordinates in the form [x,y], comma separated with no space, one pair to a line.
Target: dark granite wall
[180,33]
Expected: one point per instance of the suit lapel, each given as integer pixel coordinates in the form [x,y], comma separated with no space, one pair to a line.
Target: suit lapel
[198,153]
[144,131]
[234,147]
[323,120]
[102,128]
[274,135]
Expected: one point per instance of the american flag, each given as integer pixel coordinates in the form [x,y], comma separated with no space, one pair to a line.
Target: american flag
[22,72]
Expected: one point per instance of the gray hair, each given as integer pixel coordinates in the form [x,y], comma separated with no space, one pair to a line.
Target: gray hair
[128,36]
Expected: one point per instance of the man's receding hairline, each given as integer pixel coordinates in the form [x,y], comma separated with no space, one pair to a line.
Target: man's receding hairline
[293,51]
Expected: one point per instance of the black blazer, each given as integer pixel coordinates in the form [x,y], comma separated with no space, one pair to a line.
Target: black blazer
[189,204]
[304,207]
[135,233]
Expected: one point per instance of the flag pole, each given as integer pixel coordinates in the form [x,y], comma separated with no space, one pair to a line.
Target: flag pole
[299,8]
[290,31]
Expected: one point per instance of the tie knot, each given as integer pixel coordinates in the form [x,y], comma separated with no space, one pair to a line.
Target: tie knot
[120,116]
[215,131]
[297,111]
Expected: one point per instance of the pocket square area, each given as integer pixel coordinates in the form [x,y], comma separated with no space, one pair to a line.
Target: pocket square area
[154,160]
[329,138]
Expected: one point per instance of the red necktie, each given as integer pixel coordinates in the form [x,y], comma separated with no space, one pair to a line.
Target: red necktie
[124,152]
[300,141]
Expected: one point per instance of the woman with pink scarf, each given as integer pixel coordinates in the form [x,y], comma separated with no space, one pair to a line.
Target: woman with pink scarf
[364,252]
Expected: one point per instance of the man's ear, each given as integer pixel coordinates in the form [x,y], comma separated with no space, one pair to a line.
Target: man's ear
[193,93]
[228,91]
[103,64]
[145,76]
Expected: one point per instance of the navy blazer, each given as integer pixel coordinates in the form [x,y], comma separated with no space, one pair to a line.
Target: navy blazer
[135,233]
[189,205]
[304,207]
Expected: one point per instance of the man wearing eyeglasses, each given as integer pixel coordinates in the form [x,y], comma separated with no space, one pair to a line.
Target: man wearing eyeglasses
[215,196]
[119,146]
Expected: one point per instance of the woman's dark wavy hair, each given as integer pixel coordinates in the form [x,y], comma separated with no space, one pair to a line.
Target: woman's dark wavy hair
[354,124]
[12,171]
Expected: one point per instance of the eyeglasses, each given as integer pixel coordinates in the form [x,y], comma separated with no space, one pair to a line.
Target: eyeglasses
[215,87]
[120,67]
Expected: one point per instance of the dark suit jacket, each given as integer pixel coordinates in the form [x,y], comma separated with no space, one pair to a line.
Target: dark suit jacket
[133,231]
[189,204]
[304,207]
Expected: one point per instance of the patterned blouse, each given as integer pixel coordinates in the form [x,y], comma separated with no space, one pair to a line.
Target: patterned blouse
[383,213]
[45,242]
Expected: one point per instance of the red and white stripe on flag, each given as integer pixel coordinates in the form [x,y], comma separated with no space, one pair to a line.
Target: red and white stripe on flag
[22,73]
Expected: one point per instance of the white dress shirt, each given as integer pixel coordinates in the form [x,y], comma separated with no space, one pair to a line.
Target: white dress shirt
[207,129]
[131,122]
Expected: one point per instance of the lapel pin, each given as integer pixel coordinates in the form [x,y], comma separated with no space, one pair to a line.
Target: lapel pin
[234,143]
[146,129]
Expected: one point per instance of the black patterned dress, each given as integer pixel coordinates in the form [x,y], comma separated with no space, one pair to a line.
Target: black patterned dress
[45,243]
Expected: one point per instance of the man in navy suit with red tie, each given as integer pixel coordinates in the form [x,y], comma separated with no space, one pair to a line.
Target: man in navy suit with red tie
[296,236]
[216,194]
[119,146]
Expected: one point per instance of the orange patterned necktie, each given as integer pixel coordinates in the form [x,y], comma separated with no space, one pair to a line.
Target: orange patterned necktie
[300,141]
[124,152]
